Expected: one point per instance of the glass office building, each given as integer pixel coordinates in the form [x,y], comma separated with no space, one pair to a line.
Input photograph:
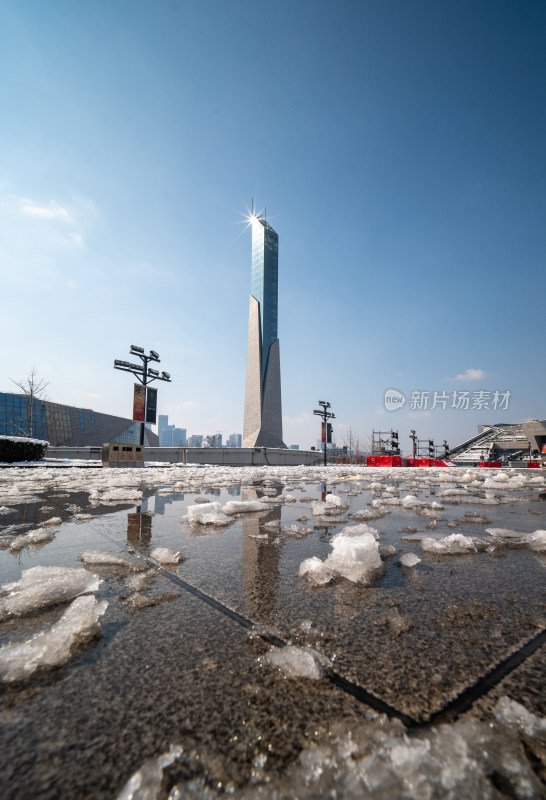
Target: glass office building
[263,408]
[66,425]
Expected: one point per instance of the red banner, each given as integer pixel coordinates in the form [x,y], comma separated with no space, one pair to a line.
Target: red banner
[324,432]
[139,403]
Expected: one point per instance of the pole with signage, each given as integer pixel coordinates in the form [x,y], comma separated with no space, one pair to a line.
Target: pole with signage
[326,428]
[151,405]
[139,403]
[144,397]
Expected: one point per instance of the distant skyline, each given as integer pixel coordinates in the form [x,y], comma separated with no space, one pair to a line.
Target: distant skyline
[398,147]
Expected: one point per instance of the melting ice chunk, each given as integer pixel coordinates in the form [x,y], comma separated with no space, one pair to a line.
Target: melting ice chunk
[166,556]
[244,506]
[409,560]
[45,586]
[105,558]
[536,540]
[516,716]
[454,544]
[208,514]
[333,504]
[52,647]
[297,662]
[33,537]
[353,557]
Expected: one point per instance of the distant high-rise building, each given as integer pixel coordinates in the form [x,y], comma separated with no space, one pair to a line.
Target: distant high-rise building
[263,408]
[234,440]
[166,436]
[179,437]
[164,430]
[195,440]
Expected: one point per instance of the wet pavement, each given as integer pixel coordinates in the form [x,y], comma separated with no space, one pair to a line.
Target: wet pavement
[182,665]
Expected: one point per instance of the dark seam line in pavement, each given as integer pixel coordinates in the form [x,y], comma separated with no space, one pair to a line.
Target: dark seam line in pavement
[483,685]
[342,683]
[448,713]
[335,679]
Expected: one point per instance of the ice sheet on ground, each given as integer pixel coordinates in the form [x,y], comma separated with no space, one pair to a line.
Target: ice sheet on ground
[50,648]
[208,514]
[455,544]
[166,556]
[40,587]
[355,556]
[297,662]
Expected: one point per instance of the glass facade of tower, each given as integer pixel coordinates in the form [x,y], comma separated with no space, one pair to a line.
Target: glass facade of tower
[264,282]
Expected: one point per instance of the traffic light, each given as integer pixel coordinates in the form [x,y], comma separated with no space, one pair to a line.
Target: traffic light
[329,432]
[430,448]
[395,446]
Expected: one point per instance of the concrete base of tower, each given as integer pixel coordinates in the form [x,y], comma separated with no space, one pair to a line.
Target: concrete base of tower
[262,439]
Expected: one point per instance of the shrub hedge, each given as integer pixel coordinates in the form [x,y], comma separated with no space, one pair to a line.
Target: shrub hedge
[19,449]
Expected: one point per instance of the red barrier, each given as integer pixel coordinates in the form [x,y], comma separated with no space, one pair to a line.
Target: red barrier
[490,463]
[384,461]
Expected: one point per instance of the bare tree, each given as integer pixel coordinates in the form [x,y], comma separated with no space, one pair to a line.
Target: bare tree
[353,442]
[33,388]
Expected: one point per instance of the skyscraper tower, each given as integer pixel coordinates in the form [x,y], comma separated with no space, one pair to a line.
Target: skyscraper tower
[263,409]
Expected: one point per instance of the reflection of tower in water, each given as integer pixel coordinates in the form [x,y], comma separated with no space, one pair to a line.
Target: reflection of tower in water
[260,560]
[139,528]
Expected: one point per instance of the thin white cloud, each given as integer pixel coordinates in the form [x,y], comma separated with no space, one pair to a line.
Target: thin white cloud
[40,239]
[53,211]
[471,375]
[76,239]
[72,284]
[188,404]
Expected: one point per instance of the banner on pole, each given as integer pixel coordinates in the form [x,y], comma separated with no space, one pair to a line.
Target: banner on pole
[323,432]
[151,405]
[139,403]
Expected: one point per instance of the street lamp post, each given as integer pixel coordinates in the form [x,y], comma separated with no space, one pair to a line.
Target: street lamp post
[143,372]
[413,437]
[325,416]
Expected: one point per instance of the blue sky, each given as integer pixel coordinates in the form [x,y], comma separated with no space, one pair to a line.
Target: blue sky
[398,146]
